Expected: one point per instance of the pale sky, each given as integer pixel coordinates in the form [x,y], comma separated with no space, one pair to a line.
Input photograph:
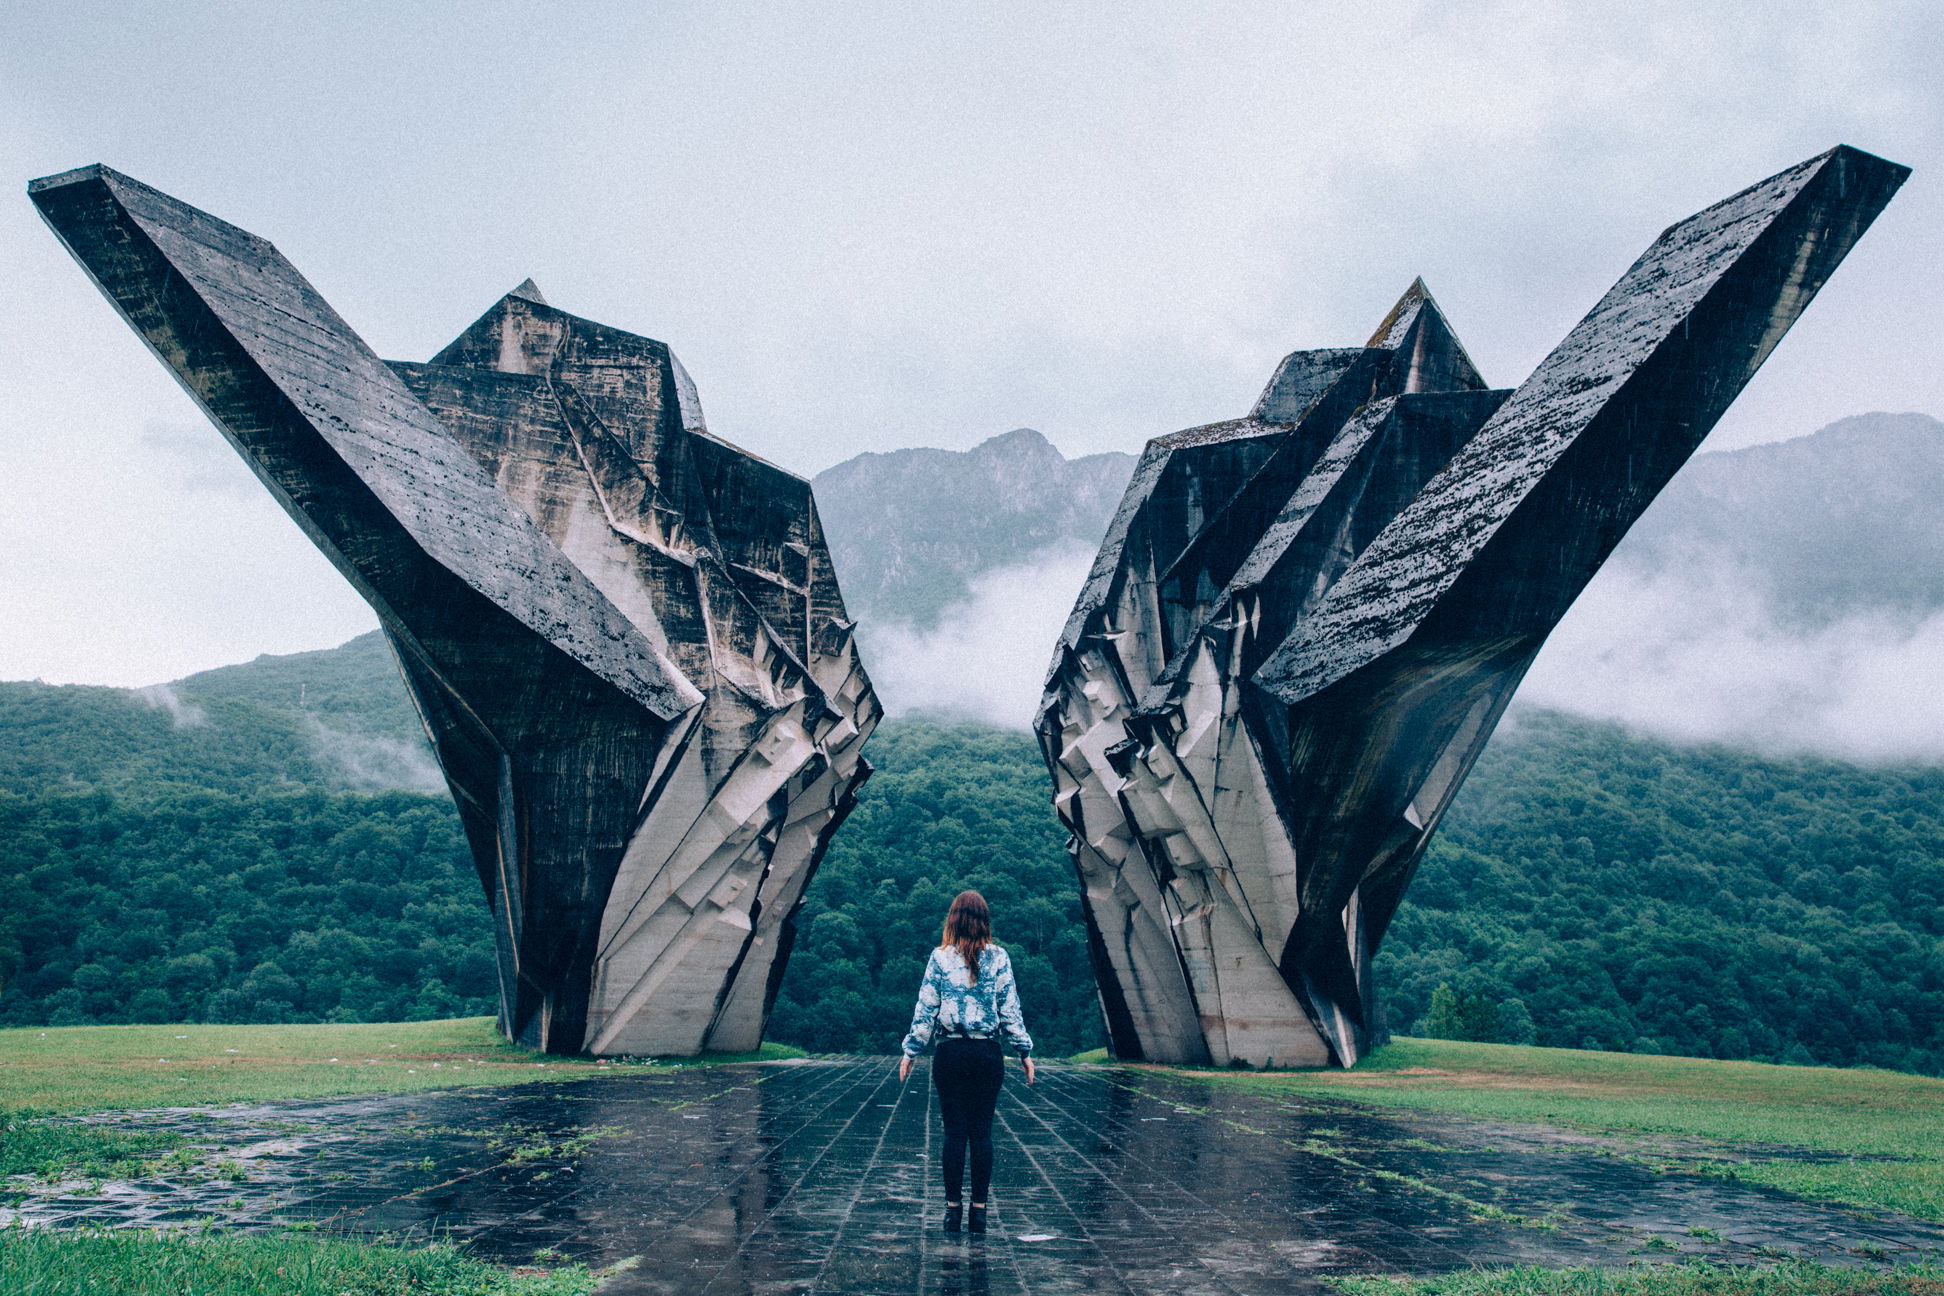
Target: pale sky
[872,225]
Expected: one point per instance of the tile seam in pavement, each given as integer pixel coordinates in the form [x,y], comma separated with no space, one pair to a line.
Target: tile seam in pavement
[870,1168]
[1120,1189]
[840,1083]
[845,1080]
[1080,1225]
[1343,1163]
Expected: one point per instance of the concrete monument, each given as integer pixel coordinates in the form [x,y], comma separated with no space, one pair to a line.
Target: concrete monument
[1303,624]
[623,634]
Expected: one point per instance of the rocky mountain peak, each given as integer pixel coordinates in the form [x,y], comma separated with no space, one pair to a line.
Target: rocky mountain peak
[908,529]
[1018,442]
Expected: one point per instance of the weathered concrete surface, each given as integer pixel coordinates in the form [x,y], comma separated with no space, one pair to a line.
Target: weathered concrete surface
[1303,625]
[624,635]
[821,1177]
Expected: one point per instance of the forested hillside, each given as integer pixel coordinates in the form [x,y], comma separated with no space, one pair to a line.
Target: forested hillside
[335,720]
[1589,889]
[201,851]
[212,906]
[1644,897]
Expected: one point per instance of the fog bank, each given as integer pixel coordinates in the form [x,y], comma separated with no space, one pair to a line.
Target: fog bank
[1698,655]
[986,660]
[1692,655]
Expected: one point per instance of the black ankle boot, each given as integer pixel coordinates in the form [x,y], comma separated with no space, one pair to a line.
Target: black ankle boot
[952,1217]
[975,1223]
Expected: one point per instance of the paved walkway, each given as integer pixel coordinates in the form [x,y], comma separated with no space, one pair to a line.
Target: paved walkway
[818,1177]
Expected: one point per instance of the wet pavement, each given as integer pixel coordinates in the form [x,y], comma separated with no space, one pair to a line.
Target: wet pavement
[819,1176]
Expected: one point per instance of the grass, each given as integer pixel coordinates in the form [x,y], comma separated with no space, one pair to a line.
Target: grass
[1797,1278]
[131,1262]
[72,1069]
[53,1152]
[1884,1130]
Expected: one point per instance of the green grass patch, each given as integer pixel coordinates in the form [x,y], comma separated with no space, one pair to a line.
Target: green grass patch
[522,1145]
[130,1262]
[1884,1130]
[1796,1278]
[55,1151]
[97,1068]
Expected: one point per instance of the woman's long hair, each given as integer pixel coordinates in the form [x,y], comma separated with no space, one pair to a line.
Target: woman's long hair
[968,929]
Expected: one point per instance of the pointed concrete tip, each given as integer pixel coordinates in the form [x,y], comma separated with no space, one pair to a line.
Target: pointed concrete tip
[529,291]
[93,171]
[1390,332]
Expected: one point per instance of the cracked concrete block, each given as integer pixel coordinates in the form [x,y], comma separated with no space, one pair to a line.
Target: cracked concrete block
[623,634]
[1304,624]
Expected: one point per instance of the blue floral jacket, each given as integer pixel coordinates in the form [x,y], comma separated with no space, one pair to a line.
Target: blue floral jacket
[950,1002]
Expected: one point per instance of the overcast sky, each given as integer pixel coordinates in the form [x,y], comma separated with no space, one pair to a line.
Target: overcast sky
[872,225]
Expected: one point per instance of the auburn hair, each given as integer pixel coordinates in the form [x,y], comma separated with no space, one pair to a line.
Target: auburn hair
[968,929]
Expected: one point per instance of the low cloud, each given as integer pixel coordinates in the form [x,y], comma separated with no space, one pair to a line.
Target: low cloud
[1697,655]
[185,714]
[987,657]
[373,763]
[1693,656]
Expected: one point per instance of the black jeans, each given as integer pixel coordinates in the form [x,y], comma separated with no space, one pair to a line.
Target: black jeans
[967,1074]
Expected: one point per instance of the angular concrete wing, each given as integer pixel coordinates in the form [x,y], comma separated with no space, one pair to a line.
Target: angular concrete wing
[623,634]
[1304,625]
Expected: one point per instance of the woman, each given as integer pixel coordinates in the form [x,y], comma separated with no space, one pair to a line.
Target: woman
[969,1002]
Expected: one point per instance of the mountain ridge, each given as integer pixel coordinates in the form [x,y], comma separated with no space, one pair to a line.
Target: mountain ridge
[910,529]
[1842,521]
